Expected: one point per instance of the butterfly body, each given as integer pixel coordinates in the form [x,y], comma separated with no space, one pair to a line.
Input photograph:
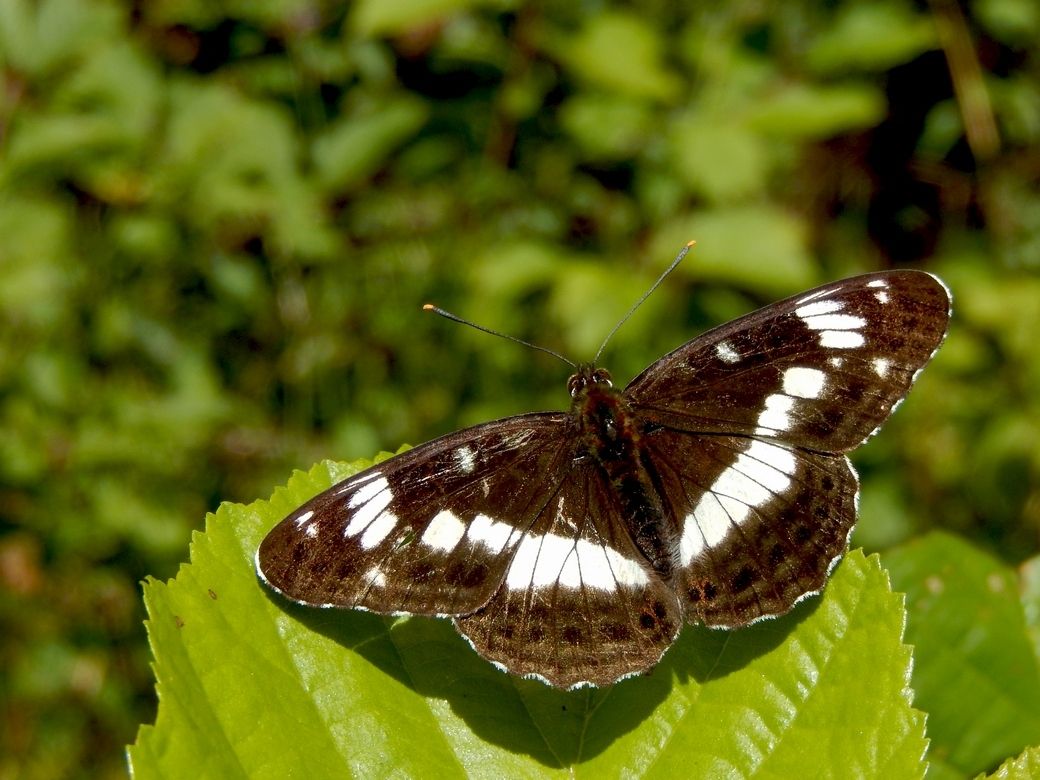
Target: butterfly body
[572,546]
[611,441]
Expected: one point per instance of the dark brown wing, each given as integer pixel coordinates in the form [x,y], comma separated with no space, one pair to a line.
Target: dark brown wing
[429,532]
[821,370]
[578,605]
[760,524]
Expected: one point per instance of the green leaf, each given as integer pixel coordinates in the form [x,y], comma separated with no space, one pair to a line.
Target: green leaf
[607,127]
[620,53]
[719,159]
[378,17]
[37,38]
[804,111]
[760,248]
[251,686]
[872,36]
[1015,22]
[355,147]
[1024,767]
[975,670]
[1030,573]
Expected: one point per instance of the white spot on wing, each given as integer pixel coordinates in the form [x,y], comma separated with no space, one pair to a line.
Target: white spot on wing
[813,296]
[302,519]
[376,577]
[841,339]
[835,322]
[490,533]
[776,414]
[724,351]
[369,490]
[361,479]
[378,530]
[818,308]
[757,475]
[877,283]
[465,459]
[444,532]
[311,529]
[378,498]
[549,559]
[881,366]
[881,296]
[804,382]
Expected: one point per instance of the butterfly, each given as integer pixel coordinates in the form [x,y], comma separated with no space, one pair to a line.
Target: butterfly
[573,546]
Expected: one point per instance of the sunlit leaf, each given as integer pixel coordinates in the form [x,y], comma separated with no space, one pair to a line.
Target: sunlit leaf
[250,685]
[975,670]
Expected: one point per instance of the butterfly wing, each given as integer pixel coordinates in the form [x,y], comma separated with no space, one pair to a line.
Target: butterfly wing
[760,524]
[501,526]
[820,370]
[428,532]
[578,604]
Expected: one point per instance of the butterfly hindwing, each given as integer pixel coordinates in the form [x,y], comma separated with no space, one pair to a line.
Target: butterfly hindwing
[579,603]
[820,370]
[760,524]
[428,532]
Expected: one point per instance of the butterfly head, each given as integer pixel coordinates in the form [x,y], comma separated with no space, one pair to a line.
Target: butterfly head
[588,376]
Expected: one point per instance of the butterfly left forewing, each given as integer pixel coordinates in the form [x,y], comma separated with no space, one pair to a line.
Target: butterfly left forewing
[821,370]
[428,532]
[579,604]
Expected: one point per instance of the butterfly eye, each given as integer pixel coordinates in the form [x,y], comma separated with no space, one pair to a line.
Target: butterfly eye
[602,377]
[575,384]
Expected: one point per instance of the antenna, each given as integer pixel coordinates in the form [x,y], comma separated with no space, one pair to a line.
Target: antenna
[456,318]
[678,259]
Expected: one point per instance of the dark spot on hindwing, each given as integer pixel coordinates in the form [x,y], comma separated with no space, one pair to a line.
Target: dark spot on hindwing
[703,590]
[466,574]
[742,579]
[832,418]
[345,568]
[615,632]
[421,572]
[572,635]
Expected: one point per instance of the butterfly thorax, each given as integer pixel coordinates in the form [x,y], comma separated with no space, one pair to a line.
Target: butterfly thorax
[610,439]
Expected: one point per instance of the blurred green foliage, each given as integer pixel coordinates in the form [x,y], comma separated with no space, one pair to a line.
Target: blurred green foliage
[218,222]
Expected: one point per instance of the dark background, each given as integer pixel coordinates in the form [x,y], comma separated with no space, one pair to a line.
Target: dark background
[218,222]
